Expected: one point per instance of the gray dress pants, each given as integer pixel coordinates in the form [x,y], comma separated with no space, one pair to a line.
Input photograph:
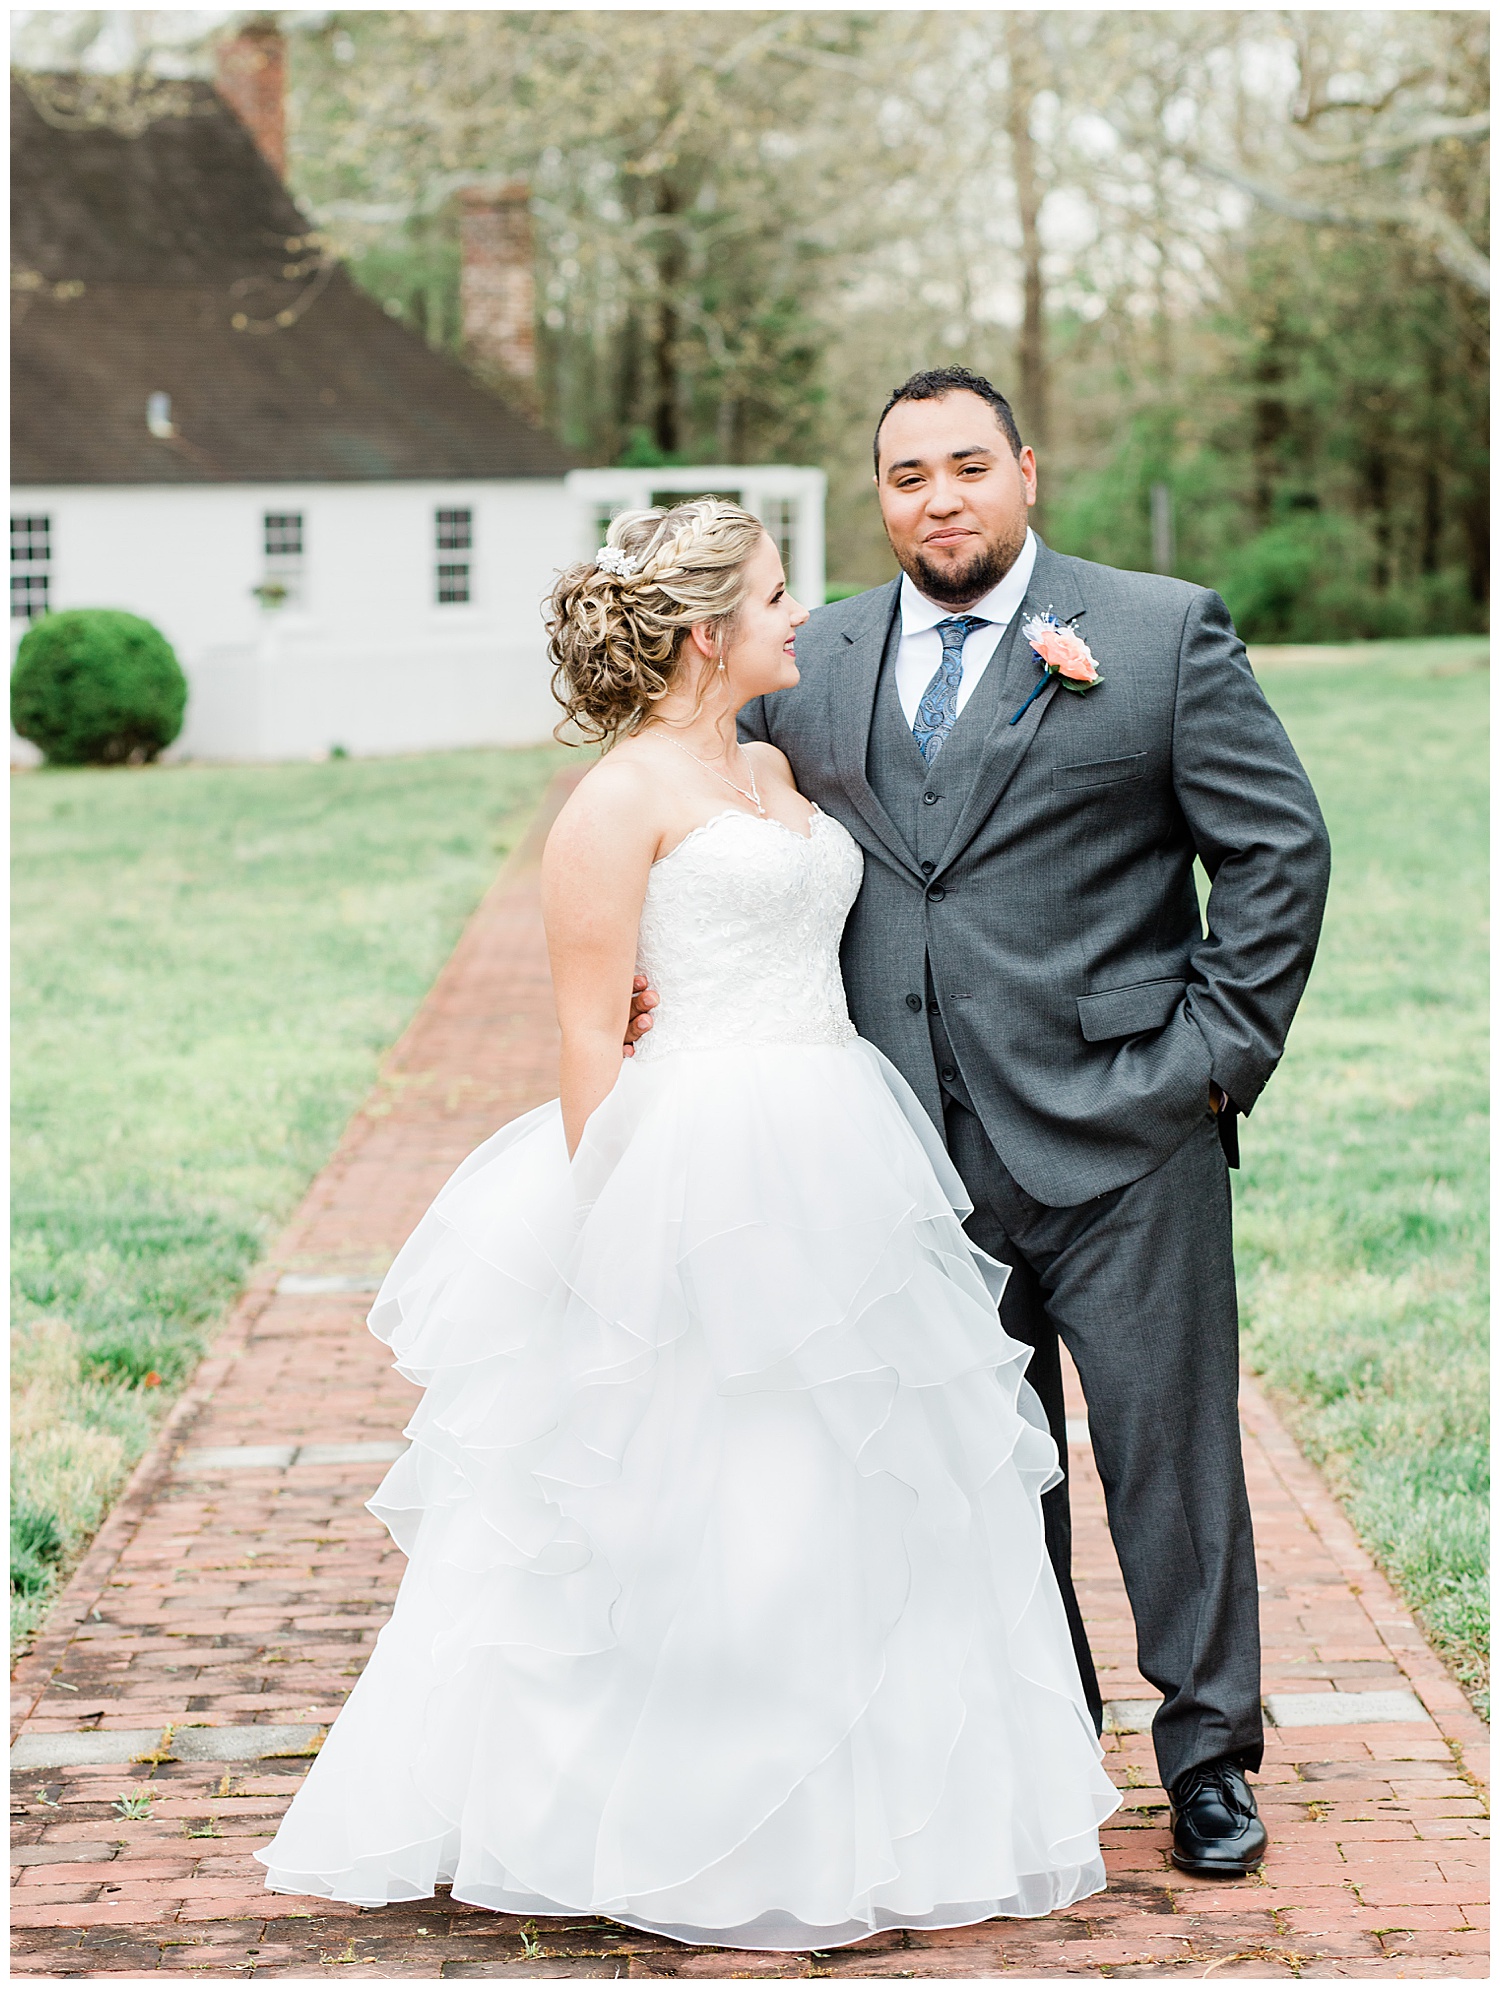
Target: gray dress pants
[1139,1285]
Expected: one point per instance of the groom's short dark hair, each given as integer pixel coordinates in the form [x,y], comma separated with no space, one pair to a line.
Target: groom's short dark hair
[940,380]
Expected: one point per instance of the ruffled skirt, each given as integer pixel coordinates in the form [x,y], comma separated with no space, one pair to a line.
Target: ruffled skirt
[728,1614]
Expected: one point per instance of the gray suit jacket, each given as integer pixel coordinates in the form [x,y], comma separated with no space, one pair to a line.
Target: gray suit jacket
[1086,1005]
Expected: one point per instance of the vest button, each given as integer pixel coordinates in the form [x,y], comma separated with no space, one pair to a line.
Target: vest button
[947,1073]
[933,1009]
[914,1003]
[928,868]
[929,799]
[936,894]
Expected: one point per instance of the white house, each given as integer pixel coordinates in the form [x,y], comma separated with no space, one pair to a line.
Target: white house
[344,536]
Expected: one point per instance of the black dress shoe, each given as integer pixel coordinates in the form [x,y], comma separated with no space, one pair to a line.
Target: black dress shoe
[1216,1829]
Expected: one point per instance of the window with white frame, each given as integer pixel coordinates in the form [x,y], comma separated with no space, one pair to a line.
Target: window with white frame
[283,553]
[454,532]
[283,535]
[779,516]
[30,566]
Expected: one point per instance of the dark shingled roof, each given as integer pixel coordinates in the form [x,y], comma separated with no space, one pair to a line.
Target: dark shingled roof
[135,255]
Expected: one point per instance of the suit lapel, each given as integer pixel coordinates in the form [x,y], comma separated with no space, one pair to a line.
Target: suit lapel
[1052,586]
[853,681]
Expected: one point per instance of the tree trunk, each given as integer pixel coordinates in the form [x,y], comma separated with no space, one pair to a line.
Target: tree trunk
[665,426]
[1473,505]
[1476,517]
[629,379]
[1432,519]
[669,275]
[1432,481]
[1022,30]
[1269,423]
[726,424]
[1378,493]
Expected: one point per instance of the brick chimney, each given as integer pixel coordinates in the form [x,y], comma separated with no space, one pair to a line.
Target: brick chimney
[251,79]
[497,289]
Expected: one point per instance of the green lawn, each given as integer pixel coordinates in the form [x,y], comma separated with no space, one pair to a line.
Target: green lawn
[1361,1210]
[208,963]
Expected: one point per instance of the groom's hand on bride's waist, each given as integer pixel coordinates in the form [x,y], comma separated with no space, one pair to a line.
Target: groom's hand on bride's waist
[643,999]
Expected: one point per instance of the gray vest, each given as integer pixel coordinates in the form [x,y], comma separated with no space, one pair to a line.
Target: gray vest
[924,801]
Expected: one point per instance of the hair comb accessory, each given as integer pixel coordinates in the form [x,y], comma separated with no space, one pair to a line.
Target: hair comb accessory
[610,559]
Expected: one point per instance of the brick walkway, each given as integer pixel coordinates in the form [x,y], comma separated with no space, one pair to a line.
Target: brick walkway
[234,1593]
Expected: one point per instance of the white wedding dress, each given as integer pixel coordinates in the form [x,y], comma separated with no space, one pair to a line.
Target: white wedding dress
[727,1614]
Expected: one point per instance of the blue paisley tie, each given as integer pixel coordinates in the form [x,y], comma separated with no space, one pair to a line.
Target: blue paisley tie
[938,712]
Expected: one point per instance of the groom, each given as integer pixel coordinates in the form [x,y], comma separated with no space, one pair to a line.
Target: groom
[1027,949]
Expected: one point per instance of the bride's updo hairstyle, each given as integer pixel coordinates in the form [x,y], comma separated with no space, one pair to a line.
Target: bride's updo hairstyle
[619,621]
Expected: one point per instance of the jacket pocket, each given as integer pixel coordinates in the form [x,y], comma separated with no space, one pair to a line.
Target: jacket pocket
[1129,1011]
[1095,773]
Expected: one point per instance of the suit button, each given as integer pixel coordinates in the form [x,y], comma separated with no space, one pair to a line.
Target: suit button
[947,1073]
[928,868]
[914,1003]
[936,894]
[929,799]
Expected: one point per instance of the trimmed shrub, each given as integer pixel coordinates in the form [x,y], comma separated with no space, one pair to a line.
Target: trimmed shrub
[97,687]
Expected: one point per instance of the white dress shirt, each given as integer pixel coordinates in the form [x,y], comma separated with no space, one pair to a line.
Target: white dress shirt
[921,647]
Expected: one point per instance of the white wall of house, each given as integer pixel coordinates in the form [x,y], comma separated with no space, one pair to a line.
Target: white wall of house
[362,654]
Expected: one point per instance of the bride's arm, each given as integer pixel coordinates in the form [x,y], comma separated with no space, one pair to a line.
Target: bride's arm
[594,871]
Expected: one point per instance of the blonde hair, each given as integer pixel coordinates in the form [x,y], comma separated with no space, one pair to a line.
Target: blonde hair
[616,639]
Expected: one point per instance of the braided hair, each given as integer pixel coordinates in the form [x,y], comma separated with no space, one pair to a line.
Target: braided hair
[618,623]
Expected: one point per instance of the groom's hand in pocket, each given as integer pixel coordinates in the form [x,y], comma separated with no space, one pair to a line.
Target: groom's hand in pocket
[643,999]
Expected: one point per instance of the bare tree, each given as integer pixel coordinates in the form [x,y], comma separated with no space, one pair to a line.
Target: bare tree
[1378,114]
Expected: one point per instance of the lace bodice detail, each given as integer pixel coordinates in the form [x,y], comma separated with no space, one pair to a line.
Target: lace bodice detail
[740,935]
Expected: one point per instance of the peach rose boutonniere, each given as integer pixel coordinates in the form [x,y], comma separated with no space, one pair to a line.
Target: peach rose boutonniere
[1062,653]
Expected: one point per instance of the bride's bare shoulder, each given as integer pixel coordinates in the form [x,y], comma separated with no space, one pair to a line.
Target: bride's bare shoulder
[616,802]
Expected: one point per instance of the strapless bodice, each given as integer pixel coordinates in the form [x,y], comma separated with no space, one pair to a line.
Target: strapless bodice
[740,934]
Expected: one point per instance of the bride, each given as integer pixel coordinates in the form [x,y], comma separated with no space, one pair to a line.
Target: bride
[727,1612]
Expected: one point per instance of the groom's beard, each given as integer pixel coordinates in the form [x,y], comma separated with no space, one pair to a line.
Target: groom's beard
[961,586]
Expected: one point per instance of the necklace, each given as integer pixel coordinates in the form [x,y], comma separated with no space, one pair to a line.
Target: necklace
[750,794]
